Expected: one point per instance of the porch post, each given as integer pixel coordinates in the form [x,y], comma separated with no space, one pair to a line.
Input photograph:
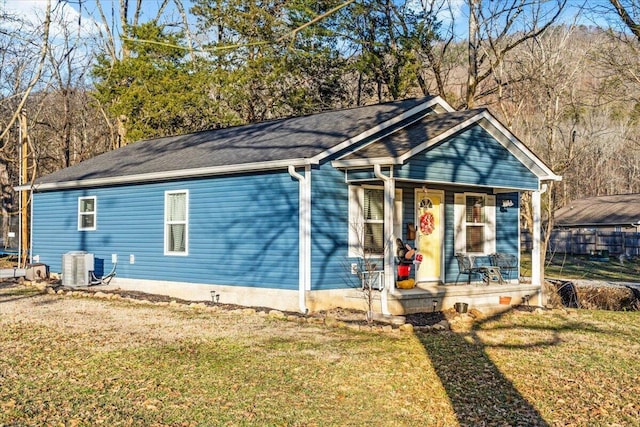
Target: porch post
[535,238]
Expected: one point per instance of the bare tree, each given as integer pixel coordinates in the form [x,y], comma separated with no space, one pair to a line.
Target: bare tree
[496,28]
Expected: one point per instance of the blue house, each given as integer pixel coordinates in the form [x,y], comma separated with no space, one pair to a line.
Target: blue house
[294,213]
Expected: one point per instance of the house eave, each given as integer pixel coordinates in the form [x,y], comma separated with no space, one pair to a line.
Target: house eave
[166,175]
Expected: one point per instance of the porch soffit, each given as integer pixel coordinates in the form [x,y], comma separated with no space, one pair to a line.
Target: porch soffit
[371,179]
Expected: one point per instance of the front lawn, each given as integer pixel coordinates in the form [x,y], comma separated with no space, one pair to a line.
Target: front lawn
[85,362]
[582,267]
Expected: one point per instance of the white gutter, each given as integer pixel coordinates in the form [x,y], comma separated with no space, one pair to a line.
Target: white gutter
[166,175]
[389,274]
[304,235]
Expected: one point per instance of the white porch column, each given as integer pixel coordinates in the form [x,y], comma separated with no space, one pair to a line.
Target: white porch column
[535,237]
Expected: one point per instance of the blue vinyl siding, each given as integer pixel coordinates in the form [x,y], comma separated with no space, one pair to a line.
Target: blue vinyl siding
[330,230]
[508,224]
[471,157]
[361,174]
[243,230]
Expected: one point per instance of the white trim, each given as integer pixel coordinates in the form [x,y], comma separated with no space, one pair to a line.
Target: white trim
[167,175]
[536,256]
[304,235]
[87,213]
[356,221]
[185,222]
[441,229]
[547,173]
[389,260]
[382,126]
[460,230]
[488,123]
[496,190]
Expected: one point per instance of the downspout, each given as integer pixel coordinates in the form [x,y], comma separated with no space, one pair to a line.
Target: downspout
[304,235]
[389,274]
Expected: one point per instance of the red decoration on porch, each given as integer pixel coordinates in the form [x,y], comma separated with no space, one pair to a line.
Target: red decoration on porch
[427,223]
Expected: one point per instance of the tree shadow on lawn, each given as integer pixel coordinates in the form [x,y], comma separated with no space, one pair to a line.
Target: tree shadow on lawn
[10,291]
[479,393]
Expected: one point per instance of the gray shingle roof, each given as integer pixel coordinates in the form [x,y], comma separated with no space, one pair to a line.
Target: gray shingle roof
[291,138]
[621,209]
[409,137]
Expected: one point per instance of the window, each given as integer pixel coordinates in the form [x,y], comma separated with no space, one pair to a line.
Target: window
[87,213]
[475,223]
[176,219]
[373,221]
[366,220]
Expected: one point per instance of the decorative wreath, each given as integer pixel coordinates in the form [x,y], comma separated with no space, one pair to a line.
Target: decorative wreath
[427,223]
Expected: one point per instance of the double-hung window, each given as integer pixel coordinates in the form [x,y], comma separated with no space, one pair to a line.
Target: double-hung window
[373,221]
[366,220]
[87,213]
[475,223]
[176,220]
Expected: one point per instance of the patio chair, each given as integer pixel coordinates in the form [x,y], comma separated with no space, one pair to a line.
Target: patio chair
[506,262]
[465,266]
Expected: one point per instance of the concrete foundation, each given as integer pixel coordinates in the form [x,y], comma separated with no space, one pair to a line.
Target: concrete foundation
[423,298]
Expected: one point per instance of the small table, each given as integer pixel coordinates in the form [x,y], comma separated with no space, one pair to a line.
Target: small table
[490,273]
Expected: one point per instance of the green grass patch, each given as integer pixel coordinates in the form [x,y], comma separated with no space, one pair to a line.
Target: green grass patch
[560,368]
[582,267]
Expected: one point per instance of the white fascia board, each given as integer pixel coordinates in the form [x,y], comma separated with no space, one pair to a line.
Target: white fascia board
[502,135]
[168,175]
[524,154]
[382,126]
[401,159]
[360,163]
[433,141]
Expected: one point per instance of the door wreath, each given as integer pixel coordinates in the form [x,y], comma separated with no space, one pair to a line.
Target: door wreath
[427,223]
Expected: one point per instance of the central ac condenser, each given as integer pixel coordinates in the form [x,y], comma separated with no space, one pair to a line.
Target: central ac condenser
[76,268]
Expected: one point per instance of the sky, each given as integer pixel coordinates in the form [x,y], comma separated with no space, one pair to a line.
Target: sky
[91,21]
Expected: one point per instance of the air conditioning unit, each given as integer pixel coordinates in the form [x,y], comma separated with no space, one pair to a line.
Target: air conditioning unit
[76,268]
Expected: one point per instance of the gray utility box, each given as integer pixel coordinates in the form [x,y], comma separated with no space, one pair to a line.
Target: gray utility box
[76,268]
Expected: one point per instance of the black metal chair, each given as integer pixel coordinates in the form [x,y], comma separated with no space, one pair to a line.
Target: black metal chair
[506,262]
[465,266]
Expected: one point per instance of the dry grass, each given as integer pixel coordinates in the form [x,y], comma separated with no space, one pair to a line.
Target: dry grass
[76,361]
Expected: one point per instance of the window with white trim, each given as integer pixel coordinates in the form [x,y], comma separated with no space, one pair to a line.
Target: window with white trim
[475,223]
[176,220]
[366,220]
[87,213]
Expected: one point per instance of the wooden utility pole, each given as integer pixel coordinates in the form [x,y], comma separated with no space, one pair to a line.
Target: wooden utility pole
[24,195]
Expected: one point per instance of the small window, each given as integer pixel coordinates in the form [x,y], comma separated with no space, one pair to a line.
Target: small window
[176,218]
[87,213]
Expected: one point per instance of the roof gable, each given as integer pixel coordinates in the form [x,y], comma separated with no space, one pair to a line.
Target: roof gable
[421,135]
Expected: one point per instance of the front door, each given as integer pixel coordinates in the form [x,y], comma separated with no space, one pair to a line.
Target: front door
[429,234]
